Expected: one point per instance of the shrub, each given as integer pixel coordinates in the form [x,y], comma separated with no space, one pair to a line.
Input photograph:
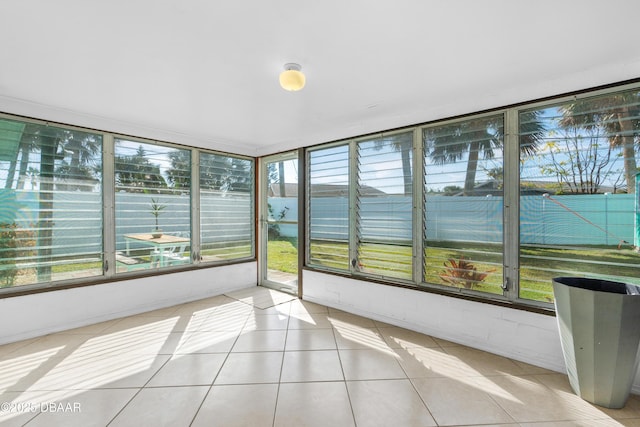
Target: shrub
[14,243]
[462,273]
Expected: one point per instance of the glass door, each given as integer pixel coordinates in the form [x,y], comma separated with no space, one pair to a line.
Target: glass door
[279,222]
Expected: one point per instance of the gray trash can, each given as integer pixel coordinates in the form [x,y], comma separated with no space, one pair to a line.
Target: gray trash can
[599,324]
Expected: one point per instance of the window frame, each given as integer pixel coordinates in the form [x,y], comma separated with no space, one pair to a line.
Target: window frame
[511,201]
[506,237]
[108,191]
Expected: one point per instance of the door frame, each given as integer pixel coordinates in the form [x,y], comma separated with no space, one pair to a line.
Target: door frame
[263,215]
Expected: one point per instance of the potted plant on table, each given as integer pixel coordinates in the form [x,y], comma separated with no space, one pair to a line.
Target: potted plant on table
[156,209]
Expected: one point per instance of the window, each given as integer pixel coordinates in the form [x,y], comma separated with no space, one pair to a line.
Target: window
[502,213]
[55,229]
[50,203]
[578,192]
[226,207]
[328,207]
[463,194]
[384,206]
[360,208]
[153,209]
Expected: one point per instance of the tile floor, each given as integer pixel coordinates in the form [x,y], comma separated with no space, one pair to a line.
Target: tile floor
[223,362]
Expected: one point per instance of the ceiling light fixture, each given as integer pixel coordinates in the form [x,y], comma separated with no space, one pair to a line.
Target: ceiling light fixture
[291,78]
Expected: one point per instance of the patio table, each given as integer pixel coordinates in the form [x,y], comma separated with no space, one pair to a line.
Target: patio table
[162,245]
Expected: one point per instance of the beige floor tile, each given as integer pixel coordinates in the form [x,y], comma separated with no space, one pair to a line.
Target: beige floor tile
[193,309]
[527,399]
[190,321]
[302,307]
[214,301]
[160,312]
[635,422]
[528,369]
[341,318]
[281,309]
[319,365]
[312,404]
[420,362]
[405,338]
[485,363]
[381,324]
[143,324]
[85,408]
[492,425]
[19,373]
[107,371]
[260,341]
[247,368]
[126,342]
[370,365]
[310,339]
[260,322]
[444,343]
[311,349]
[355,337]
[453,402]
[581,423]
[559,384]
[631,408]
[189,369]
[17,408]
[309,321]
[221,322]
[208,342]
[233,309]
[92,329]
[262,298]
[162,406]
[57,345]
[9,348]
[250,405]
[387,403]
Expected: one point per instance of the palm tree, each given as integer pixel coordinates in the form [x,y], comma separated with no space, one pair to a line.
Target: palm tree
[619,115]
[448,143]
[179,175]
[224,173]
[136,174]
[402,143]
[84,151]
[28,144]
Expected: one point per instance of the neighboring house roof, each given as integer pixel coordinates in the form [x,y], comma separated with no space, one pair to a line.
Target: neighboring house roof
[322,190]
[527,188]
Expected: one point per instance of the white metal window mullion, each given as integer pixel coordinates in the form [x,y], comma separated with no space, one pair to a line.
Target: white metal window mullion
[195,206]
[354,236]
[511,205]
[108,206]
[418,207]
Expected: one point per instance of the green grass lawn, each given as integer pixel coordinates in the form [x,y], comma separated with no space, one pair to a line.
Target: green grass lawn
[283,255]
[538,265]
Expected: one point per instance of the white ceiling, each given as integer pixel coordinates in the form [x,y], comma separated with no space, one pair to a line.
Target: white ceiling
[205,72]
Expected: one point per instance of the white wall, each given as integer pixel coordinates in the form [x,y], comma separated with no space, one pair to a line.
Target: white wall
[33,315]
[521,335]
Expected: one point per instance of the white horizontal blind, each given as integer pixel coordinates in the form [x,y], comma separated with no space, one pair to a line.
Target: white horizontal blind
[463,212]
[328,209]
[578,192]
[147,176]
[384,207]
[226,207]
[50,203]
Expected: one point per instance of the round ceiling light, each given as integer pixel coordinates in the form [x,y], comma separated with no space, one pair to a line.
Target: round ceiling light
[291,78]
